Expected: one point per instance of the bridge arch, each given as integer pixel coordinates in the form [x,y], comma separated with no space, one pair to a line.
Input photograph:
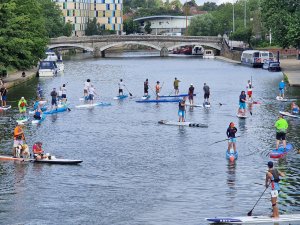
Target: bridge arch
[103,48]
[194,43]
[71,45]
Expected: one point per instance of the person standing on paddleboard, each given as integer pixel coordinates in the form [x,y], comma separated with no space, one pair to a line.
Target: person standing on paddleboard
[191,94]
[64,93]
[146,88]
[22,106]
[3,92]
[87,84]
[249,90]
[231,131]
[157,90]
[181,110]
[92,93]
[281,89]
[19,138]
[242,104]
[176,86]
[53,98]
[272,178]
[281,128]
[206,90]
[121,87]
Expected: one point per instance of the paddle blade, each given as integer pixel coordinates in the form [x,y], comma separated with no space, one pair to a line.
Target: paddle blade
[130,94]
[250,213]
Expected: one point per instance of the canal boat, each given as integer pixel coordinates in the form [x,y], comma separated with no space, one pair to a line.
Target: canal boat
[188,124]
[281,152]
[208,54]
[256,58]
[253,219]
[198,50]
[53,57]
[47,69]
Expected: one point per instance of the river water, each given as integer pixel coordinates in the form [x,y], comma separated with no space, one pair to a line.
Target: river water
[136,171]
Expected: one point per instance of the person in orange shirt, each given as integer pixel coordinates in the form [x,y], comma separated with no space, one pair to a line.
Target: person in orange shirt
[157,89]
[19,138]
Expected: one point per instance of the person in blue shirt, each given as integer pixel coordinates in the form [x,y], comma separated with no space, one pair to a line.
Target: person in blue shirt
[281,89]
[242,104]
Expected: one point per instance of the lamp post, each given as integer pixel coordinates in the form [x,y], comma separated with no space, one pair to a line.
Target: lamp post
[245,14]
[233,22]
[186,19]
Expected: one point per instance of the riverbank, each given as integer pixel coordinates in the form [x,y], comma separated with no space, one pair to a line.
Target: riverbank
[291,68]
[16,78]
[222,58]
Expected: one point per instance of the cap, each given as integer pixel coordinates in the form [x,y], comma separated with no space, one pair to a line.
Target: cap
[270,164]
[191,84]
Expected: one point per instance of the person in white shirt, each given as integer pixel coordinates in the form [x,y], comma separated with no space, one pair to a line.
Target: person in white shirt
[92,93]
[121,87]
[249,90]
[64,93]
[87,84]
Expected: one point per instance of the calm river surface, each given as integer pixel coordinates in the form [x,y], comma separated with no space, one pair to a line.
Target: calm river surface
[136,171]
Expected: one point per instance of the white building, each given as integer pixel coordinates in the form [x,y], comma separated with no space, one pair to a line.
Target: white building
[166,25]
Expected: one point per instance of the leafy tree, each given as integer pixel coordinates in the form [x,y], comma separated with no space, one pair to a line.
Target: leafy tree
[130,26]
[92,27]
[23,36]
[242,34]
[148,28]
[203,25]
[209,6]
[67,29]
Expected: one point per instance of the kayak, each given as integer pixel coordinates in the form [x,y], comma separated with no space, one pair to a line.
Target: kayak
[188,124]
[53,160]
[119,97]
[278,98]
[275,154]
[54,111]
[289,114]
[175,96]
[158,101]
[5,107]
[241,116]
[253,219]
[22,120]
[35,121]
[146,97]
[92,105]
[187,104]
[206,104]
[231,155]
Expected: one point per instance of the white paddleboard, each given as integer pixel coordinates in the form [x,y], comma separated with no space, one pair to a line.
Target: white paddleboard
[93,105]
[241,116]
[188,124]
[192,105]
[254,219]
[289,114]
[5,107]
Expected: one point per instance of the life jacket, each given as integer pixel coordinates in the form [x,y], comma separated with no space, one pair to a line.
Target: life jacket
[18,136]
[36,149]
[22,104]
[37,113]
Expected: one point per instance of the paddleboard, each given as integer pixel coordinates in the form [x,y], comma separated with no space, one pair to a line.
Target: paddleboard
[175,96]
[275,154]
[158,101]
[35,121]
[253,219]
[22,120]
[231,155]
[187,104]
[241,116]
[93,105]
[289,114]
[188,124]
[54,111]
[206,104]
[44,108]
[278,98]
[145,97]
[5,107]
[58,161]
[119,97]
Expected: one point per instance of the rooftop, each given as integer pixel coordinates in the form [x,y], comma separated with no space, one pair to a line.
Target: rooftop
[162,17]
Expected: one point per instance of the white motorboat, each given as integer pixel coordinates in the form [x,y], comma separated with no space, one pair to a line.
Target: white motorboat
[208,54]
[47,69]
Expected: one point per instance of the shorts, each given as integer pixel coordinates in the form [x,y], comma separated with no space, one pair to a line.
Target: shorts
[249,93]
[63,96]
[280,136]
[54,102]
[18,142]
[37,117]
[274,193]
[281,91]
[206,95]
[145,90]
[157,94]
[181,113]
[4,98]
[91,97]
[22,109]
[120,91]
[242,105]
[191,97]
[176,88]
[232,140]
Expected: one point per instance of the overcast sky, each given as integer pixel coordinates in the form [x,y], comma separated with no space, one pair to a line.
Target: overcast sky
[200,2]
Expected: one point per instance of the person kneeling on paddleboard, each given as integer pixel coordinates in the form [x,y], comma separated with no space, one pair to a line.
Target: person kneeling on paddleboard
[295,108]
[231,131]
[38,152]
[181,110]
[281,128]
[38,114]
[272,178]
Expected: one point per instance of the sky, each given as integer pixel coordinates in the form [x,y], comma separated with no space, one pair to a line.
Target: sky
[200,2]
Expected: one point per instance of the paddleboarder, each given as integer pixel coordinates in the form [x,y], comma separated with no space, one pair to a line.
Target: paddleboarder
[64,93]
[272,178]
[53,95]
[249,90]
[86,87]
[38,152]
[39,92]
[281,89]
[121,87]
[242,104]
[281,128]
[181,110]
[191,94]
[19,138]
[146,88]
[92,93]
[231,131]
[206,90]
[176,86]
[22,106]
[157,90]
[3,92]
[294,108]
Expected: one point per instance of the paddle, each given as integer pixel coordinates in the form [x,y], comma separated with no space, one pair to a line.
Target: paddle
[250,212]
[223,140]
[128,91]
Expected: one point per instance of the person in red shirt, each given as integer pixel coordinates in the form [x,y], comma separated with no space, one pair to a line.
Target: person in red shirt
[38,152]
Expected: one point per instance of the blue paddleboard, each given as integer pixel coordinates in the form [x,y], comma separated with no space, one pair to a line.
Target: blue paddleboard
[231,154]
[280,152]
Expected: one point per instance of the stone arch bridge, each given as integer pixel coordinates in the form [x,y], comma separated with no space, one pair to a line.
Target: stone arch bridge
[98,44]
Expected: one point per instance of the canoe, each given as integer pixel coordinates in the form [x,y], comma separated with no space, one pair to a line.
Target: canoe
[54,111]
[188,124]
[45,161]
[231,155]
[289,114]
[158,101]
[241,116]
[35,121]
[275,154]
[119,97]
[84,106]
[253,219]
[175,96]
[5,107]
[187,104]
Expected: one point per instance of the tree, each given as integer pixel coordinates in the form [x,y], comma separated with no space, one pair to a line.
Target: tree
[130,26]
[209,6]
[148,28]
[203,25]
[243,34]
[68,28]
[23,36]
[92,27]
